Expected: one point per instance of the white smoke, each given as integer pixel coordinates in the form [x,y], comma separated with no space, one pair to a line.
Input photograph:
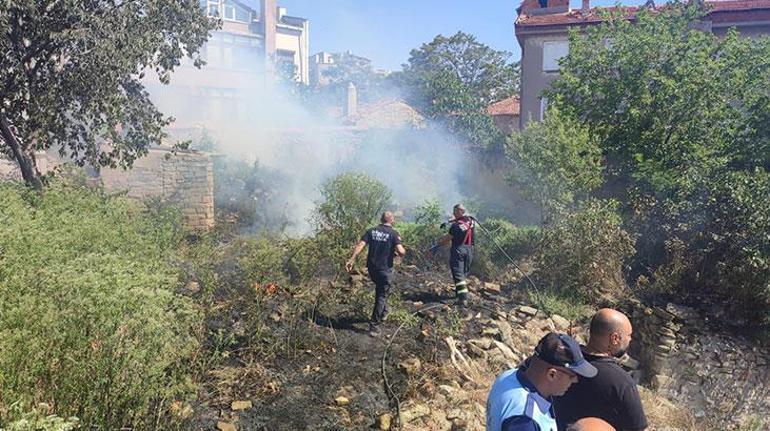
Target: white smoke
[262,121]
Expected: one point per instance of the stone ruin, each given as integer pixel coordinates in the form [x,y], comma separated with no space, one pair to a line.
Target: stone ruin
[183,178]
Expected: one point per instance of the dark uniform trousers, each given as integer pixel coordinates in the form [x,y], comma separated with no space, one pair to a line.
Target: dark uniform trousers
[460,259]
[382,279]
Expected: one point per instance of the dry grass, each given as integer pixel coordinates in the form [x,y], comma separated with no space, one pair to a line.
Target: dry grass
[663,415]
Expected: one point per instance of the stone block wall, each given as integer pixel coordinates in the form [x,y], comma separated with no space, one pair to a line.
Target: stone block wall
[182,178]
[723,377]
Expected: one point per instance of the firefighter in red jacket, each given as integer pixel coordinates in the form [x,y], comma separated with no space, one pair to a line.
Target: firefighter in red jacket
[462,236]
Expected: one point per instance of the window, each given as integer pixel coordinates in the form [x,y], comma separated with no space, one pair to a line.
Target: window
[552,52]
[242,14]
[229,10]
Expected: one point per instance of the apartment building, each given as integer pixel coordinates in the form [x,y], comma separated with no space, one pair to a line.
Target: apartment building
[542,32]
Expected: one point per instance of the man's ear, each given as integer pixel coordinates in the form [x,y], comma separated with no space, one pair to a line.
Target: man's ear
[615,338]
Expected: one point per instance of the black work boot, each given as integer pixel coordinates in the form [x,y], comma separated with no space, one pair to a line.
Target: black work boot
[374,330]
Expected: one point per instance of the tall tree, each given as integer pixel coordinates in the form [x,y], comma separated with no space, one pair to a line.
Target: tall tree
[72,70]
[555,163]
[683,119]
[453,80]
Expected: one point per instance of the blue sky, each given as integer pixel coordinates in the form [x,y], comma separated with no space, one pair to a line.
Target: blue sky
[385,30]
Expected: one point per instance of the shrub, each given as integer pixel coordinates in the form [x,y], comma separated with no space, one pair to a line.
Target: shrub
[421,234]
[733,249]
[262,260]
[584,252]
[89,320]
[555,162]
[38,419]
[351,202]
[247,195]
[516,241]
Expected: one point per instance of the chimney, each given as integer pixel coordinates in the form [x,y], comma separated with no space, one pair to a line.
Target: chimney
[281,11]
[543,7]
[586,9]
[351,105]
[268,18]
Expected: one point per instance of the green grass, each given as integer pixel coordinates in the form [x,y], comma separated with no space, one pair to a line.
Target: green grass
[569,306]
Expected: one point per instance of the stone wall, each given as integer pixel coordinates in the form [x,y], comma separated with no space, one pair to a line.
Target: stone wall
[723,377]
[182,178]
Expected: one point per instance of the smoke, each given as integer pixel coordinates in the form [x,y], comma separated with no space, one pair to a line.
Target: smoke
[254,118]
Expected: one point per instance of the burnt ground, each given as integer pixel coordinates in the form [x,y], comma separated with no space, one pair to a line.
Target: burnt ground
[312,347]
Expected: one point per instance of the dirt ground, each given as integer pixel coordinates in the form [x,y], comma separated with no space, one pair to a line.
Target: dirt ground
[317,367]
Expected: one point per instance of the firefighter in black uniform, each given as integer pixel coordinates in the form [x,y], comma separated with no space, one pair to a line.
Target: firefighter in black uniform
[384,242]
[462,235]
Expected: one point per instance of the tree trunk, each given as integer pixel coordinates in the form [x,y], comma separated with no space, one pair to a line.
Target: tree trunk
[26,165]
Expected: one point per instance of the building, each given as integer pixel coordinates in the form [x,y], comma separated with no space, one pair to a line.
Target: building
[542,32]
[323,65]
[259,27]
[257,43]
[505,114]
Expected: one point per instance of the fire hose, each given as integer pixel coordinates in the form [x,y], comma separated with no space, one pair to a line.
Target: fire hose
[536,292]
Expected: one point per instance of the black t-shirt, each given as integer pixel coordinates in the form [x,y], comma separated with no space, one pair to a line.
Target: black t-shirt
[611,395]
[462,231]
[382,241]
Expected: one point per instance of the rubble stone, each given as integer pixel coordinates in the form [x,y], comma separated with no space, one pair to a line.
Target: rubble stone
[561,324]
[226,426]
[527,310]
[240,405]
[383,422]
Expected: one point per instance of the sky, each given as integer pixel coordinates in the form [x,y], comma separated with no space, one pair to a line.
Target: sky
[386,30]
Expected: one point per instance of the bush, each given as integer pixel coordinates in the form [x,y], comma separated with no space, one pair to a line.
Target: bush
[246,195]
[350,204]
[262,260]
[38,419]
[583,254]
[89,320]
[419,236]
[516,241]
[733,249]
[555,162]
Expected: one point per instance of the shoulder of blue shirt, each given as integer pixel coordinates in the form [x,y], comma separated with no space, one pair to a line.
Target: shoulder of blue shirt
[519,423]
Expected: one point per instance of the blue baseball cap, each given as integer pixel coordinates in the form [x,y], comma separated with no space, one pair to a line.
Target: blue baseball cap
[563,351]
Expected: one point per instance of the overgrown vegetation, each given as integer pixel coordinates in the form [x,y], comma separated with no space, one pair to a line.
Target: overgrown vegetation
[685,158]
[350,203]
[583,254]
[91,323]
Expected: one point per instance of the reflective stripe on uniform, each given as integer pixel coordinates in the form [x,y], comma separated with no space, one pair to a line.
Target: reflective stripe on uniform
[461,286]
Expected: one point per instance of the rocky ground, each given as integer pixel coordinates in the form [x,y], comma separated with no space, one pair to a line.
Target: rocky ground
[430,369]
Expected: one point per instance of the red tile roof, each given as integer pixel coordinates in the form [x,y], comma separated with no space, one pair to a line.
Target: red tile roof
[509,106]
[739,10]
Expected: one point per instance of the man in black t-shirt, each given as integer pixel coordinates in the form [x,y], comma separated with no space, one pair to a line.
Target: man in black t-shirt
[611,395]
[462,236]
[384,242]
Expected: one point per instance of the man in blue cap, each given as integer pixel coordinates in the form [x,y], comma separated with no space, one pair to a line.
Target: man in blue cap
[520,399]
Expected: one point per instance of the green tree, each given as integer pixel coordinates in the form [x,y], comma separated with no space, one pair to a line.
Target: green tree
[350,203]
[453,79]
[683,119]
[72,74]
[555,162]
[669,102]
